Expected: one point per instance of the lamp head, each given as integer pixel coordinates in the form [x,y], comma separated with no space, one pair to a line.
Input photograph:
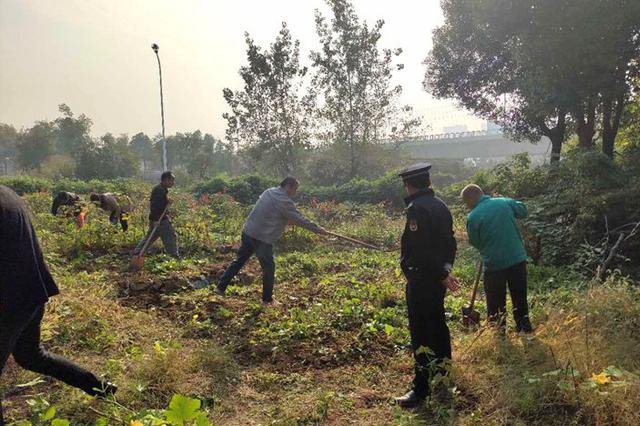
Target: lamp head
[155,47]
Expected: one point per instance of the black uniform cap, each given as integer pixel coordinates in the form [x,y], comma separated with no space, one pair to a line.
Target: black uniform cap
[415,170]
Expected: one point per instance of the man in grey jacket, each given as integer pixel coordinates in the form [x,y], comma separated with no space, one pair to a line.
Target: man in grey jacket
[273,211]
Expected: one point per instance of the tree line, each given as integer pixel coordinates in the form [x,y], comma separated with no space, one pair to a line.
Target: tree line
[565,69]
[65,147]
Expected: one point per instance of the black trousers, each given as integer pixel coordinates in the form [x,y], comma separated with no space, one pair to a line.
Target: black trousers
[430,337]
[123,218]
[495,288]
[20,336]
[264,252]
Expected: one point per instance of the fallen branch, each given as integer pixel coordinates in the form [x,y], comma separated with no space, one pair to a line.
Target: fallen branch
[613,253]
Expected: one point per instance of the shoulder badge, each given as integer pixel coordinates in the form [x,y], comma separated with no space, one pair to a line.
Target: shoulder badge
[413,225]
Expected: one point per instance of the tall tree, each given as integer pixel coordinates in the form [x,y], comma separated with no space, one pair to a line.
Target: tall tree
[142,146]
[8,145]
[354,99]
[495,57]
[36,144]
[72,134]
[558,62]
[266,118]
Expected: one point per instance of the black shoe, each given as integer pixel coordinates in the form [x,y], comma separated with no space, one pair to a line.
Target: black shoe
[104,390]
[218,291]
[410,400]
[524,326]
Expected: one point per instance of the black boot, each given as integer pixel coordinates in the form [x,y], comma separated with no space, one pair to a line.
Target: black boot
[410,400]
[523,325]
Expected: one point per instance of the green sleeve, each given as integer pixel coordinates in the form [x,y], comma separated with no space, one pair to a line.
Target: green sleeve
[519,209]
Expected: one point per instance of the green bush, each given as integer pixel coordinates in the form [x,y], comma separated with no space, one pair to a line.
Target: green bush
[30,184]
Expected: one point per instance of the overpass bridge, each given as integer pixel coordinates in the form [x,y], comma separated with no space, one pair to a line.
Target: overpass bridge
[478,147]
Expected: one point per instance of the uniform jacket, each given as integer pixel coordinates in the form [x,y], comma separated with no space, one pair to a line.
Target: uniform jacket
[25,280]
[271,214]
[492,229]
[428,247]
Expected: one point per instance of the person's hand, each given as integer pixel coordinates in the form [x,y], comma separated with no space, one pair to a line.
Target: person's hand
[323,231]
[451,283]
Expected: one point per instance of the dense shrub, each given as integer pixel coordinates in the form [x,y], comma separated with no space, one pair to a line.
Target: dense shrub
[575,210]
[244,189]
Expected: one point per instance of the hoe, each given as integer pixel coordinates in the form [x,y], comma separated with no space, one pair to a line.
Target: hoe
[471,317]
[137,262]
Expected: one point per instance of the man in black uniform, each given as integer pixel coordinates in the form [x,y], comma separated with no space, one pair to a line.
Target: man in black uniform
[158,203]
[428,250]
[25,286]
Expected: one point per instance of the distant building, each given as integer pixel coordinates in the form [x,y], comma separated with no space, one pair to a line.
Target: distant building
[492,127]
[457,128]
[480,148]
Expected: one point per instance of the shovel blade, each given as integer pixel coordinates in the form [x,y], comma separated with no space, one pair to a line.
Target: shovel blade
[137,262]
[470,317]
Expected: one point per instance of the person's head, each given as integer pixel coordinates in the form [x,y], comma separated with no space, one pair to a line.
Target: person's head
[290,185]
[471,195]
[417,183]
[416,178]
[94,196]
[168,179]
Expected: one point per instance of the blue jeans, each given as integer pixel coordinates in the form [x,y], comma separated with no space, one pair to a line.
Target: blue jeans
[264,252]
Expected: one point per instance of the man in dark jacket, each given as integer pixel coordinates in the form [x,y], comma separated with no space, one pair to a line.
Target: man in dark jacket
[428,250]
[25,286]
[158,204]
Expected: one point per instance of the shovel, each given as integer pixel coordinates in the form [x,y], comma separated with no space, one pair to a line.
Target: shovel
[470,316]
[354,241]
[137,261]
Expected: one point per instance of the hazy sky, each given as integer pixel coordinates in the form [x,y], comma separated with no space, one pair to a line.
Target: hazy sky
[95,56]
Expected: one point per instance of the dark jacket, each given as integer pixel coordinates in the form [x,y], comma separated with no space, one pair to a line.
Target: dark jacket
[158,202]
[428,247]
[63,198]
[25,280]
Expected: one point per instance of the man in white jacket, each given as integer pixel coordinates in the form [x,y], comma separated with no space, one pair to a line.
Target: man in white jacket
[273,211]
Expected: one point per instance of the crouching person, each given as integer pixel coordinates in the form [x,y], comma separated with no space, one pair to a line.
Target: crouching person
[25,287]
[493,229]
[118,207]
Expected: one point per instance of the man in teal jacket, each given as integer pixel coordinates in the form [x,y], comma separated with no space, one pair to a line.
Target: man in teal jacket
[492,228]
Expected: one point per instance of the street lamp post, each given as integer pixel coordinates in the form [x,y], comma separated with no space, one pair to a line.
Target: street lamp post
[155,48]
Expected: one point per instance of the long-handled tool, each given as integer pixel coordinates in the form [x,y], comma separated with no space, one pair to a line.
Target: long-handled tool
[470,316]
[354,241]
[137,261]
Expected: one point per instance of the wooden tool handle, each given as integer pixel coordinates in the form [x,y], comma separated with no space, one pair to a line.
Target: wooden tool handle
[475,285]
[153,231]
[353,240]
